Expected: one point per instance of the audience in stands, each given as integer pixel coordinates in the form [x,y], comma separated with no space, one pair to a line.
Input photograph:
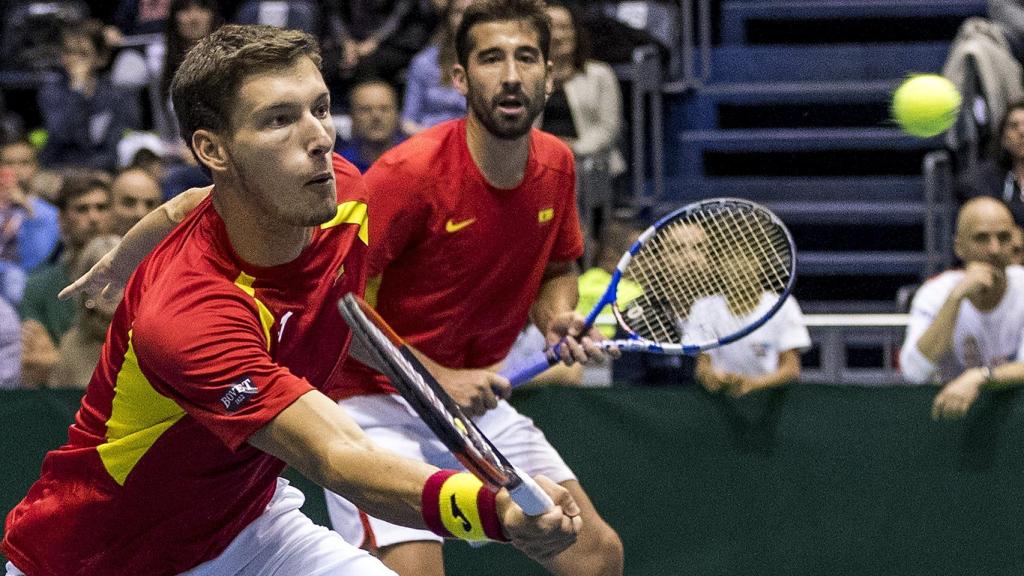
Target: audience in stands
[966,327]
[80,347]
[84,206]
[134,193]
[769,357]
[1001,177]
[585,110]
[39,232]
[189,21]
[84,114]
[430,97]
[10,346]
[376,38]
[14,210]
[375,126]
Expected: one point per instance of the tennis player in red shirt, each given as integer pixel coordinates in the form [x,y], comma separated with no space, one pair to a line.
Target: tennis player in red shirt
[219,361]
[477,233]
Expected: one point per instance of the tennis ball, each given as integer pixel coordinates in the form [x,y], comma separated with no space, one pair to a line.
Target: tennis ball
[925,105]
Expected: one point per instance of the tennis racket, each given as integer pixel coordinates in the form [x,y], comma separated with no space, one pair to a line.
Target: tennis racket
[437,409]
[707,274]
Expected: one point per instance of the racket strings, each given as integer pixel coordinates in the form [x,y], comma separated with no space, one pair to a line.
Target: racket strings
[728,250]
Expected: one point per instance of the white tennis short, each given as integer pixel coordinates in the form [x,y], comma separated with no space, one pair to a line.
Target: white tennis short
[391,423]
[284,542]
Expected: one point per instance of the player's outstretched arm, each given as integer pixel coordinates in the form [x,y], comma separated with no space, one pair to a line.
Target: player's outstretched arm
[113,269]
[315,436]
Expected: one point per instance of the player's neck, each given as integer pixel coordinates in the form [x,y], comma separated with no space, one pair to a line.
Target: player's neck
[502,162]
[256,238]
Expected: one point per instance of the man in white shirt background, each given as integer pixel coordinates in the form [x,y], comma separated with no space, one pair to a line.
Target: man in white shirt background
[966,327]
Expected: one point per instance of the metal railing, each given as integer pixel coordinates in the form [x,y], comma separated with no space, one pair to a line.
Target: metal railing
[940,206]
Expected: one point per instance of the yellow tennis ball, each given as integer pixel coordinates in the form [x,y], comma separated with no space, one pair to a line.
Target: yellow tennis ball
[925,105]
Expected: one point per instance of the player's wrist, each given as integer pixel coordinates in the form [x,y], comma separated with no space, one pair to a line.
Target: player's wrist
[458,505]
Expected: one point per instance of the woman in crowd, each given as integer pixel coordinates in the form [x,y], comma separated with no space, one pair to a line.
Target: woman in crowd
[430,97]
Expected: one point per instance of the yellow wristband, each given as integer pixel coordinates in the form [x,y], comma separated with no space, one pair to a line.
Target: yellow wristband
[460,513]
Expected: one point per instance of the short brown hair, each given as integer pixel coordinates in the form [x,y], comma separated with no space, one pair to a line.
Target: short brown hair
[485,11]
[79,182]
[208,79]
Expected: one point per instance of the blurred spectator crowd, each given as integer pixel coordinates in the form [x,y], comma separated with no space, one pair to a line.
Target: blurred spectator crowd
[89,142]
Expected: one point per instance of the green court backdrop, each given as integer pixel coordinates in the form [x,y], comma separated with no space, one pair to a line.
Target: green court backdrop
[812,480]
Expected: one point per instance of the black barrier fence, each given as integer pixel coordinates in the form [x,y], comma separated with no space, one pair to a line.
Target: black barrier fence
[812,480]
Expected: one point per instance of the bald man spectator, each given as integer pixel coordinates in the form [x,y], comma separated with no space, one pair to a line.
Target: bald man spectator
[375,123]
[135,193]
[966,328]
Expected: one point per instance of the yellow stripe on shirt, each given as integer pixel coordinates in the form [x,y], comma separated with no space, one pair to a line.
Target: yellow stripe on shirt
[351,212]
[244,281]
[139,415]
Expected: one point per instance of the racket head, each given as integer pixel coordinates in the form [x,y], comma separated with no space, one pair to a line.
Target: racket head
[703,276]
[420,389]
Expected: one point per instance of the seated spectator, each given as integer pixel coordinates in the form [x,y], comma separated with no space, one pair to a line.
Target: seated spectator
[80,347]
[188,21]
[84,114]
[14,211]
[10,347]
[585,110]
[39,233]
[84,206]
[375,39]
[134,193]
[966,327]
[768,357]
[143,150]
[1001,177]
[375,126]
[430,97]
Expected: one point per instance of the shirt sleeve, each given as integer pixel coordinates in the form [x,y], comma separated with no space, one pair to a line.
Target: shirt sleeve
[210,356]
[397,216]
[793,334]
[914,365]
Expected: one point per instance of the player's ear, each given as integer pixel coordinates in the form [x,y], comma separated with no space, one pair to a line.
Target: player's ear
[459,79]
[209,150]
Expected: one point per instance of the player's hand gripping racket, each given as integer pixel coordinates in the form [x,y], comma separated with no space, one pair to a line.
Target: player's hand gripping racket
[437,409]
[724,248]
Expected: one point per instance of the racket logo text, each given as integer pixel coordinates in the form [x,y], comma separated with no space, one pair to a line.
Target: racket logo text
[451,226]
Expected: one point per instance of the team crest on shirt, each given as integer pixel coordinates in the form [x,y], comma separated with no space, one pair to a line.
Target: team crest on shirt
[760,349]
[239,394]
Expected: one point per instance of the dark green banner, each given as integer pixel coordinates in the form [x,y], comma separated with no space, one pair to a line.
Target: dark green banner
[814,480]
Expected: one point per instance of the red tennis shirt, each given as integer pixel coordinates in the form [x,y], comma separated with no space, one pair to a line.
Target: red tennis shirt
[460,261]
[203,351]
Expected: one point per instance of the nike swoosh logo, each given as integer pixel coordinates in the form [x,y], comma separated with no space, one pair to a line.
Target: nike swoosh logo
[453,227]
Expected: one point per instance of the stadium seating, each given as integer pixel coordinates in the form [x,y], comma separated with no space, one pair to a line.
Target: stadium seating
[795,114]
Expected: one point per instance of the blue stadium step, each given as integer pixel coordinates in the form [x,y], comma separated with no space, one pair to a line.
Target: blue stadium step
[799,189]
[764,20]
[849,212]
[876,263]
[800,152]
[855,103]
[786,105]
[840,62]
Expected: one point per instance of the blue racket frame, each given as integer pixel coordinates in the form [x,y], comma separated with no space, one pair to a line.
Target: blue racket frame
[523,372]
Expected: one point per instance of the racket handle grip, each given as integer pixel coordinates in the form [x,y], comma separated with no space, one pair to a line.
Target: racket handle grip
[522,372]
[531,497]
